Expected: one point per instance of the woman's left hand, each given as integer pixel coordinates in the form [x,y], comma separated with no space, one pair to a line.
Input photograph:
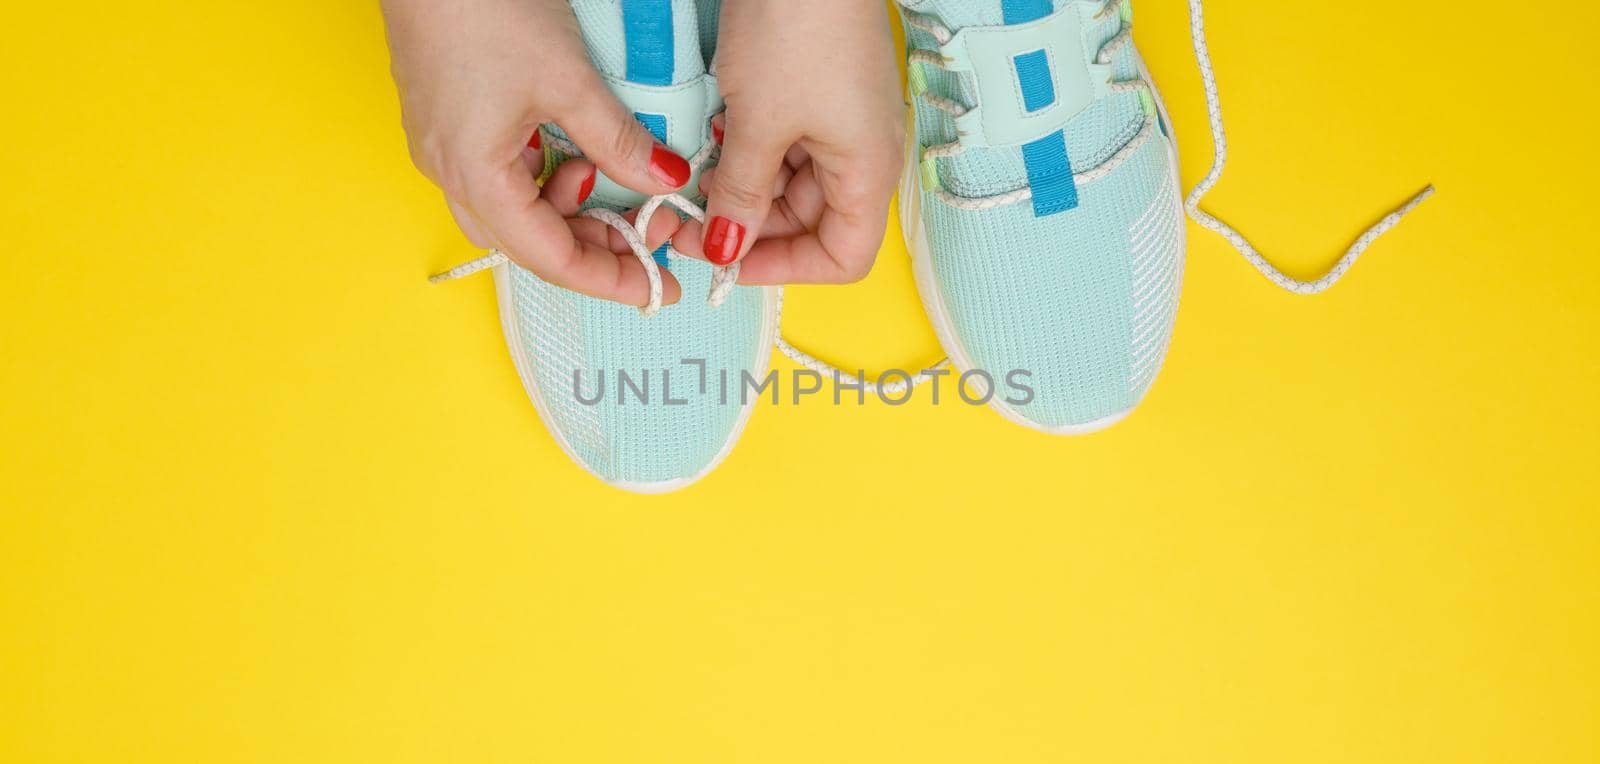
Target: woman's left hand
[812,141]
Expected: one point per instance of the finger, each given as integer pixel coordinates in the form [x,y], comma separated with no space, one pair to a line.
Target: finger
[845,243]
[662,227]
[569,186]
[622,148]
[800,208]
[536,236]
[802,259]
[796,157]
[793,158]
[740,192]
[690,238]
[785,172]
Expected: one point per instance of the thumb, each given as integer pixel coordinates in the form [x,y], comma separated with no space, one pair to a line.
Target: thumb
[740,194]
[621,147]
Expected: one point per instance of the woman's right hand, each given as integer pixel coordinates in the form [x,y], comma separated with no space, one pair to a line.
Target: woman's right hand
[476,79]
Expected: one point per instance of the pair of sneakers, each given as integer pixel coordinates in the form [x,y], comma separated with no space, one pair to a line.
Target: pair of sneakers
[1040,205]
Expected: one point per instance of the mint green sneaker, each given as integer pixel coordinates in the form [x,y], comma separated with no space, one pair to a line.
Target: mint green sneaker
[1041,201]
[669,422]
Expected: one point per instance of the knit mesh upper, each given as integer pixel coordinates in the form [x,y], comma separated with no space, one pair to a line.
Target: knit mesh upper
[1084,299]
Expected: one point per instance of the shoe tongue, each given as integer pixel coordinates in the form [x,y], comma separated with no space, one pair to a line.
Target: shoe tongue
[1091,137]
[645,48]
[649,42]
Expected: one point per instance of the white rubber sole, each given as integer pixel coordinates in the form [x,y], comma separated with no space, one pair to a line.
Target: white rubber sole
[508,325]
[916,239]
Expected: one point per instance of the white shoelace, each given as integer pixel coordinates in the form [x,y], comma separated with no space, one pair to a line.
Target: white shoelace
[723,280]
[1219,141]
[882,388]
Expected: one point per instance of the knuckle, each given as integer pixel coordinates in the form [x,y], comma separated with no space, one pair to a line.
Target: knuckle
[425,147]
[619,280]
[848,268]
[882,168]
[453,182]
[858,188]
[432,155]
[564,261]
[551,263]
[855,268]
[893,153]
[626,142]
[738,190]
[458,181]
[419,160]
[480,180]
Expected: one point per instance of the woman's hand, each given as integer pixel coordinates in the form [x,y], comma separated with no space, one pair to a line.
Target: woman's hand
[812,141]
[476,79]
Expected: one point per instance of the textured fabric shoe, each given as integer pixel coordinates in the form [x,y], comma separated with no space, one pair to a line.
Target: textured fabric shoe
[1041,203]
[571,351]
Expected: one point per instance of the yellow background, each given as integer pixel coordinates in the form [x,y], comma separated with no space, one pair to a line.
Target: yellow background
[269,497]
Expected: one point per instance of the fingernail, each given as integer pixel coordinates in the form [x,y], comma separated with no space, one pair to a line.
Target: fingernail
[536,142]
[724,238]
[716,133]
[667,167]
[587,187]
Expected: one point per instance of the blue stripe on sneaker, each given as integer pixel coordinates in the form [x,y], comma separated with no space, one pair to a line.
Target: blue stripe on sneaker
[1050,175]
[1038,88]
[1049,168]
[1024,11]
[647,29]
[655,123]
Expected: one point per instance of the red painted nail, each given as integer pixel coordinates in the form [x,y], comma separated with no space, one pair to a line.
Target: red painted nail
[667,167]
[536,142]
[724,238]
[716,133]
[587,187]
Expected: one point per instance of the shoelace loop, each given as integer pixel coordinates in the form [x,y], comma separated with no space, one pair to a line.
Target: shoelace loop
[723,279]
